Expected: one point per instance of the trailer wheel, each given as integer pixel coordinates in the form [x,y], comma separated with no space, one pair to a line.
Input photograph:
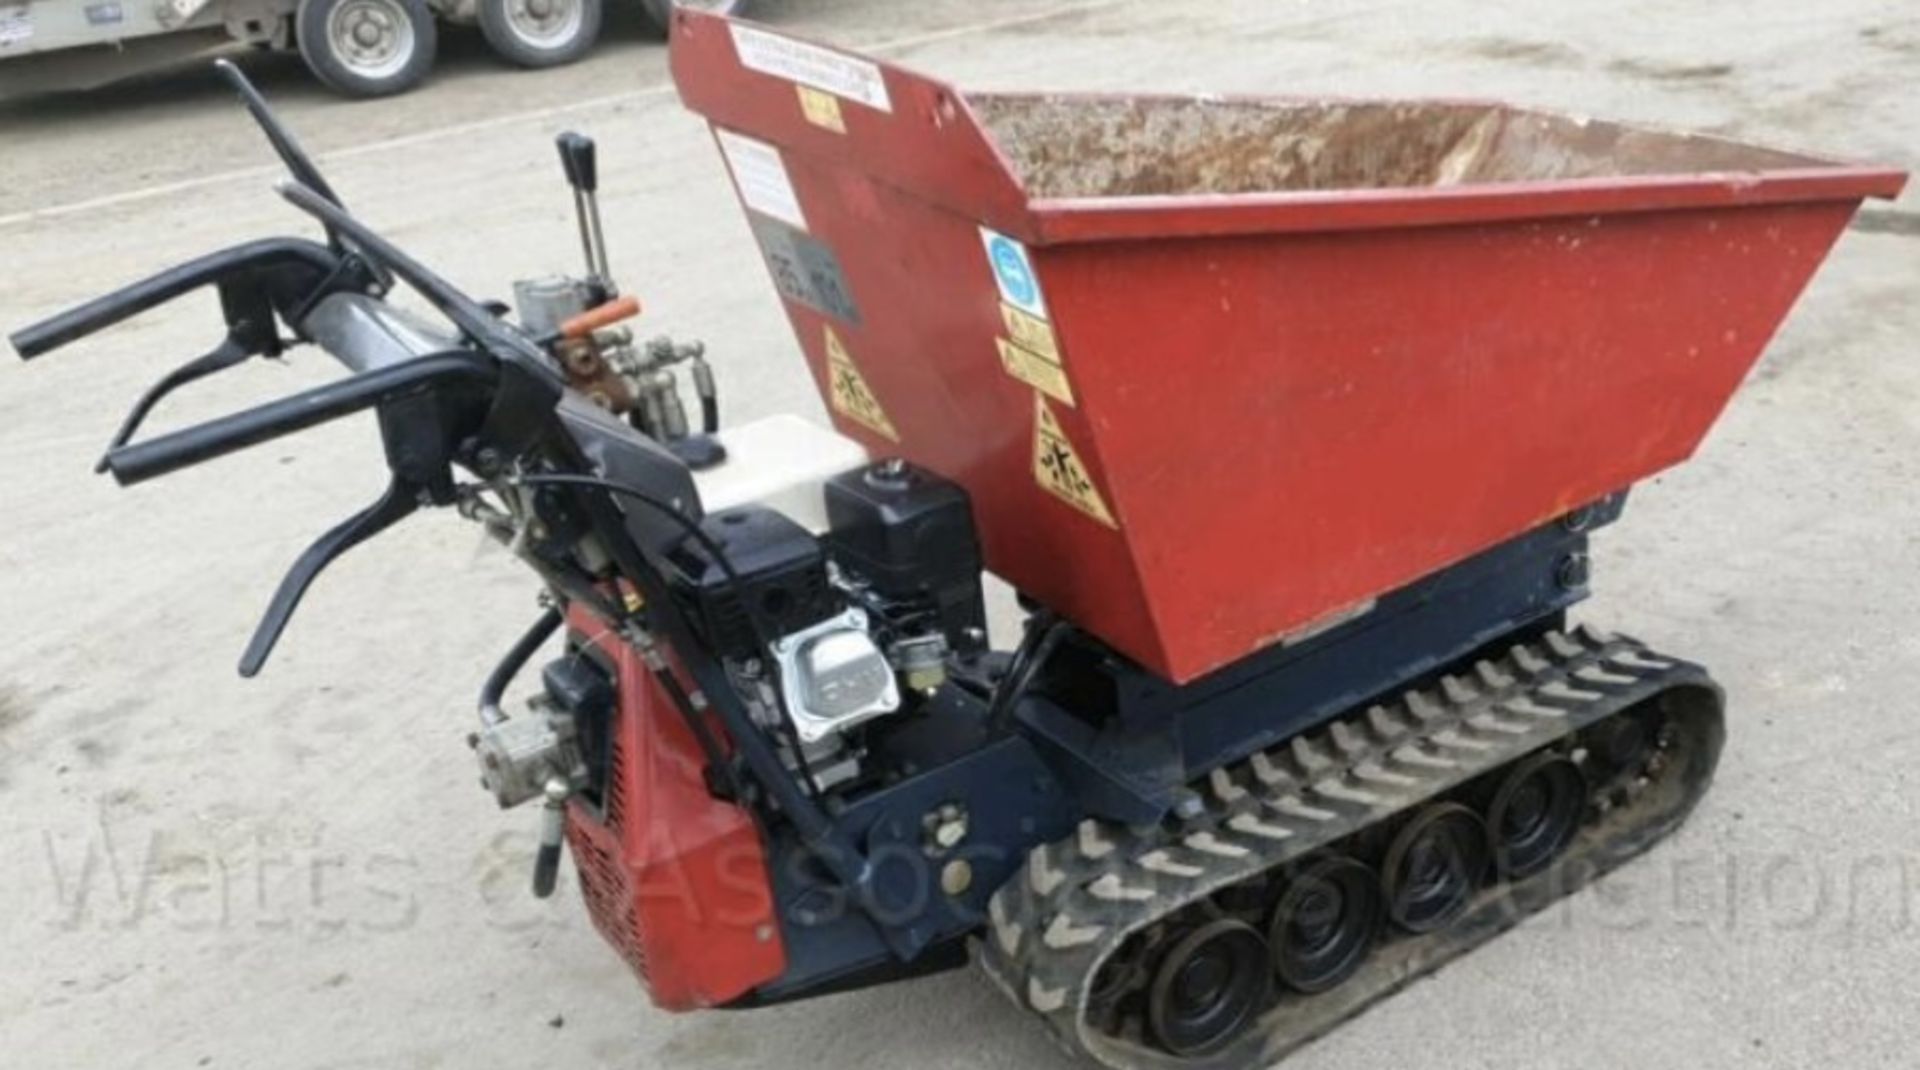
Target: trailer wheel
[367,48]
[540,33]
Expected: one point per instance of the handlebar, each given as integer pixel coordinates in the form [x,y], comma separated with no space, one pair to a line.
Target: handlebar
[111,308]
[480,400]
[142,461]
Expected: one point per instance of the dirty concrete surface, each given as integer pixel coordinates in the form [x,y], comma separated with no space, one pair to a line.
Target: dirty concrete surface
[298,871]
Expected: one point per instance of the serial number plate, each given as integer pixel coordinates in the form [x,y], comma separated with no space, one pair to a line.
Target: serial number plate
[804,269]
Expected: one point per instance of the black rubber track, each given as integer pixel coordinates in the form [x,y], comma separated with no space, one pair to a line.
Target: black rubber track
[1110,889]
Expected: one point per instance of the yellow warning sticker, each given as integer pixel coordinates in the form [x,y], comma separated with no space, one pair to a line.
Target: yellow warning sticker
[1057,468]
[1030,332]
[1035,371]
[851,395]
[821,109]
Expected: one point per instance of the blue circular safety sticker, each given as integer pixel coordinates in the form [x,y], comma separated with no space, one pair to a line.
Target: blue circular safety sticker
[1011,269]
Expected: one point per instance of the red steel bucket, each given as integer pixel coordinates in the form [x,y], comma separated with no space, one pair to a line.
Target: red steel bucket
[1217,371]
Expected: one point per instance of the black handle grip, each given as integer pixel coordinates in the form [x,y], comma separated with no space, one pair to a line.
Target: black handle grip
[110,308]
[546,870]
[577,157]
[396,504]
[216,438]
[553,833]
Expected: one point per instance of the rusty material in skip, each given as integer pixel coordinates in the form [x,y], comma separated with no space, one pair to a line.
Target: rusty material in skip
[1079,146]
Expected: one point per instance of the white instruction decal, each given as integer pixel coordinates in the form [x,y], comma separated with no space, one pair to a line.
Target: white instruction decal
[822,68]
[761,177]
[16,24]
[1013,273]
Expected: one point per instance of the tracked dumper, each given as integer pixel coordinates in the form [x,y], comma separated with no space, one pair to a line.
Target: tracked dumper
[1289,420]
[1304,408]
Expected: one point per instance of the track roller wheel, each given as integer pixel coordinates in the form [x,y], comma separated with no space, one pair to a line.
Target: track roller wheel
[1535,814]
[1434,866]
[1209,988]
[1622,744]
[1324,923]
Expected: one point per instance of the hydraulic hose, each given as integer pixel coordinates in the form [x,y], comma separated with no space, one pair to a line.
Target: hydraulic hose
[495,688]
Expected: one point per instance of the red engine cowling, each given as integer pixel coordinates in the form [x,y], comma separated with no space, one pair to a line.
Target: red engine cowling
[675,879]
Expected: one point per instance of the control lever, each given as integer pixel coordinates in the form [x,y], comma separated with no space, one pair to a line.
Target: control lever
[553,833]
[419,445]
[138,462]
[300,166]
[250,331]
[223,356]
[577,159]
[657,411]
[418,425]
[285,145]
[398,502]
[581,327]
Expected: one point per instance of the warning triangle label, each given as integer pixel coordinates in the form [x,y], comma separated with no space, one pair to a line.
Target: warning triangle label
[1057,468]
[849,392]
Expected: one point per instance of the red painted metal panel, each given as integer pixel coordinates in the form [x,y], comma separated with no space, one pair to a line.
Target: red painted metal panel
[673,878]
[1287,400]
[1415,397]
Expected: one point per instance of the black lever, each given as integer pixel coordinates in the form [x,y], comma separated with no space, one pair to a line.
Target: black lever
[577,159]
[223,356]
[577,156]
[553,833]
[157,456]
[298,164]
[249,312]
[400,500]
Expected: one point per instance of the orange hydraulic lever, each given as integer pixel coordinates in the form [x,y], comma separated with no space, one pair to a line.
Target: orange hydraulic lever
[584,324]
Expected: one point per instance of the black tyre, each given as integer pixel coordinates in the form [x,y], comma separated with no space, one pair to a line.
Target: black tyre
[1535,814]
[540,33]
[1434,866]
[660,12]
[1209,988]
[367,48]
[1324,923]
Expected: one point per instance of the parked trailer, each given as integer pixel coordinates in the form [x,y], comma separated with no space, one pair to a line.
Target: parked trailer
[359,48]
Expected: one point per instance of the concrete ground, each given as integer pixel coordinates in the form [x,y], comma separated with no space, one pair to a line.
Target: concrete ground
[297,871]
